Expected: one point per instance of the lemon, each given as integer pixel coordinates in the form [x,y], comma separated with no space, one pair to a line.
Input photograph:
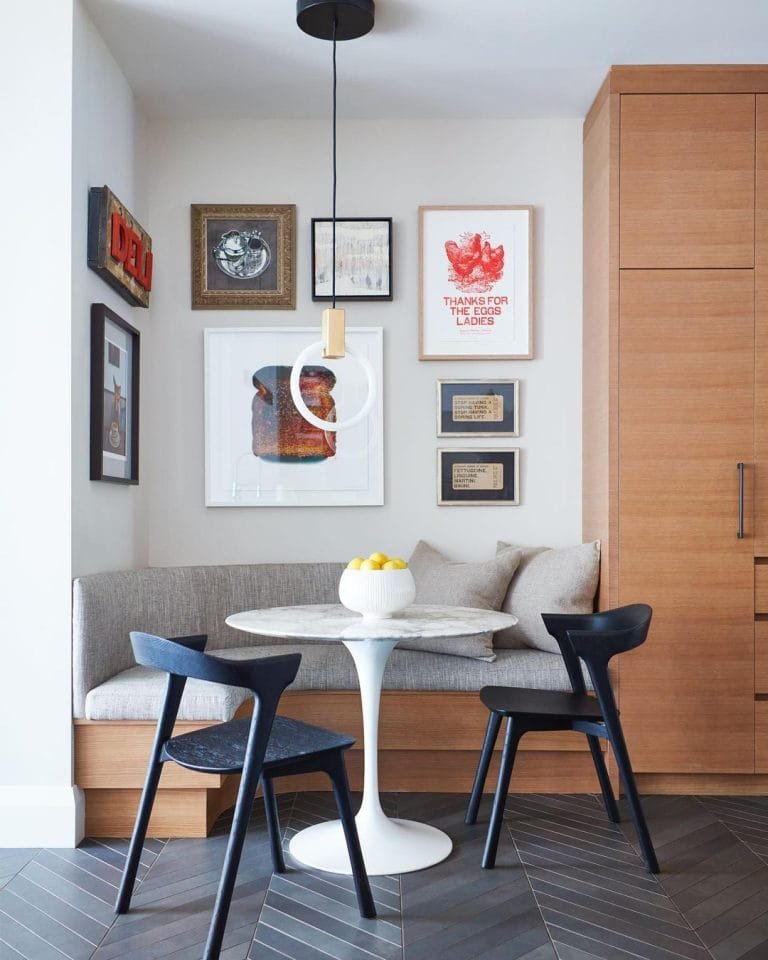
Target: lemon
[378,557]
[355,564]
[370,564]
[400,564]
[391,565]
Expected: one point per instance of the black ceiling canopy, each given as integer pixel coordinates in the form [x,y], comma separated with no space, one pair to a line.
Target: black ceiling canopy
[353,18]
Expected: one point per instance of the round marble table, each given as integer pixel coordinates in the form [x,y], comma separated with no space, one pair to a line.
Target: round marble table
[389,846]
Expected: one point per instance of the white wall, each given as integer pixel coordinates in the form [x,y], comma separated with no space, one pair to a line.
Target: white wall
[37,802]
[109,521]
[386,169]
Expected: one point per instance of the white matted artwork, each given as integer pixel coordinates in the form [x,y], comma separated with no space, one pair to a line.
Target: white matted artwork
[259,451]
[476,283]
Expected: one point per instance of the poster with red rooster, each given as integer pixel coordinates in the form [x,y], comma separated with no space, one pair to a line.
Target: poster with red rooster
[476,283]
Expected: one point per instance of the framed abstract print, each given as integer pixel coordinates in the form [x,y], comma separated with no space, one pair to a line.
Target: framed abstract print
[259,451]
[363,258]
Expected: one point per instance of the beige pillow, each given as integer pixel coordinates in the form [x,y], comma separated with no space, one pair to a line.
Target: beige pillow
[561,580]
[483,584]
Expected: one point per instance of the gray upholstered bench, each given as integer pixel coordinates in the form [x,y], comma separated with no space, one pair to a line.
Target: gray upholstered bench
[430,711]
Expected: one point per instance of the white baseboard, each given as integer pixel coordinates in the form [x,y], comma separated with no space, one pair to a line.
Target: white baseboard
[33,816]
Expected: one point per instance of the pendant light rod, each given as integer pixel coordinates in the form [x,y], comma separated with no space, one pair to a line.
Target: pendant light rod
[333,149]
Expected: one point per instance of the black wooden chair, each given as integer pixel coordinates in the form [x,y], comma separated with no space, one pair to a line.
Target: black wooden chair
[592,638]
[260,748]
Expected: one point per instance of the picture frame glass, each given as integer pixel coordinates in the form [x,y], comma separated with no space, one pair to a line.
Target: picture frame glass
[476,297]
[241,254]
[117,425]
[363,259]
[259,451]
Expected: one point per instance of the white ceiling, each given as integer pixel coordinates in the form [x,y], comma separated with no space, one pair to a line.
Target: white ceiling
[424,58]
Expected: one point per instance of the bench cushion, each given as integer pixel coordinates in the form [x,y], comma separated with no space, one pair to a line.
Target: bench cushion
[137,693]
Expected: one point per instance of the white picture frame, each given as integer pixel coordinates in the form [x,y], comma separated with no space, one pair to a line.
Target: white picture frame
[476,283]
[257,454]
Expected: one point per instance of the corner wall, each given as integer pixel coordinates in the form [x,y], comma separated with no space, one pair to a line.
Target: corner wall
[385,169]
[38,804]
[109,520]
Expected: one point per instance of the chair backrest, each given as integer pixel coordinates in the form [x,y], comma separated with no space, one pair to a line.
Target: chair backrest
[596,637]
[183,657]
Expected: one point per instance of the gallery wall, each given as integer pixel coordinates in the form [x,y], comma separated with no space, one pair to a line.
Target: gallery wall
[386,169]
[109,521]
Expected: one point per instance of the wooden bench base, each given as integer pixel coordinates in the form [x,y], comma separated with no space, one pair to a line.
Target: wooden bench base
[428,742]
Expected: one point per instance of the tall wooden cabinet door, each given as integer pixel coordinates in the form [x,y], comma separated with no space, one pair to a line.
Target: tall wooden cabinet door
[686,395]
[687,180]
[761,330]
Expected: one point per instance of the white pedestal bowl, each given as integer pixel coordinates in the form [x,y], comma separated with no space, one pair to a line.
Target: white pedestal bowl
[376,594]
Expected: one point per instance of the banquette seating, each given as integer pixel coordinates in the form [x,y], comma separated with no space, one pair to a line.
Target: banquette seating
[431,716]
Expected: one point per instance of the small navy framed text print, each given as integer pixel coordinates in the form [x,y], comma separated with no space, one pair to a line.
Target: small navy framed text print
[478,476]
[478,408]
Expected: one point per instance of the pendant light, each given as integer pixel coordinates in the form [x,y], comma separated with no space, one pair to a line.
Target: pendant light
[333,20]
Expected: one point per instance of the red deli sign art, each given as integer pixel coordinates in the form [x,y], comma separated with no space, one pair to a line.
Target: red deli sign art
[119,249]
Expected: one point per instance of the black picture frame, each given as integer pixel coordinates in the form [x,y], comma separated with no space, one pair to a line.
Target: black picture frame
[478,408]
[478,477]
[362,243]
[114,447]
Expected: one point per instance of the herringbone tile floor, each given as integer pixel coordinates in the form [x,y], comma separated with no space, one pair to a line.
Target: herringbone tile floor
[568,885]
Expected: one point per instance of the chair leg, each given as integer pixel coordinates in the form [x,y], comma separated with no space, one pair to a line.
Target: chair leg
[338,773]
[273,825]
[511,740]
[232,856]
[491,733]
[609,800]
[616,736]
[125,893]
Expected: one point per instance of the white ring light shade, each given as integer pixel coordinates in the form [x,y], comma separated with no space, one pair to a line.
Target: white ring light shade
[308,354]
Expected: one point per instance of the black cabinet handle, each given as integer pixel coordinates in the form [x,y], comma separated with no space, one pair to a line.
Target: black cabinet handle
[740,532]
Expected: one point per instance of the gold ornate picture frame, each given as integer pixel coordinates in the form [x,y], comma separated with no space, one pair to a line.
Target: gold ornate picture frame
[243,256]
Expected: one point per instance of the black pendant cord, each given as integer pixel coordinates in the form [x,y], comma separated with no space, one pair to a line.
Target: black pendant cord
[333,220]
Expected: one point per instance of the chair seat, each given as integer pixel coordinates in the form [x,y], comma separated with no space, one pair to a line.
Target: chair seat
[221,748]
[553,704]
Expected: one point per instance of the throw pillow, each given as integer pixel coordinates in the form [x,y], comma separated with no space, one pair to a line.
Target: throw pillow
[561,580]
[442,581]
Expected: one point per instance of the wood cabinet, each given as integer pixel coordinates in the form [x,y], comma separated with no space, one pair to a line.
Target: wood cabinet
[675,395]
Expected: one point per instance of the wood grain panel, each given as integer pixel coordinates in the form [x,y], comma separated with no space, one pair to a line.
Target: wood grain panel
[679,784]
[761,588]
[415,720]
[761,656]
[761,736]
[761,329]
[689,78]
[687,181]
[686,402]
[600,339]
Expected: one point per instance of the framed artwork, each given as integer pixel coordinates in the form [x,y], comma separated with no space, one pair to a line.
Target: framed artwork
[476,283]
[243,256]
[119,248]
[363,258]
[259,451]
[477,408]
[478,476]
[114,397]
